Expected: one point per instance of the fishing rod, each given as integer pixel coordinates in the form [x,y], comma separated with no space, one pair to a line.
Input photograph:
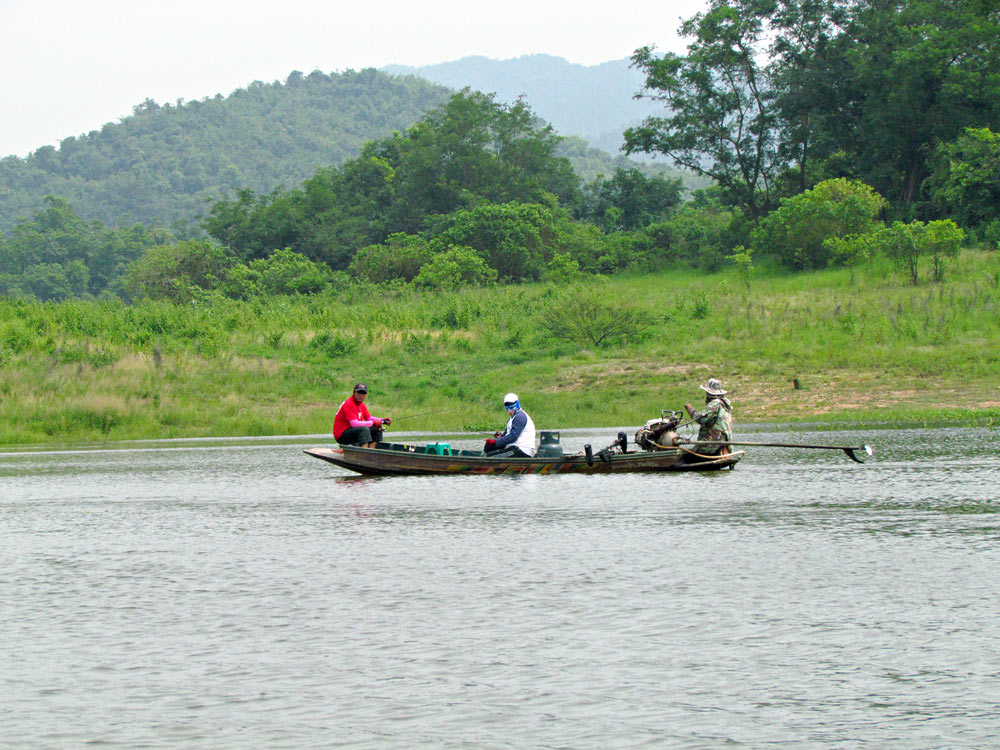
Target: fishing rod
[424,414]
[848,449]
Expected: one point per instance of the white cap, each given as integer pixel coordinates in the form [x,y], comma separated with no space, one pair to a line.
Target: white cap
[510,398]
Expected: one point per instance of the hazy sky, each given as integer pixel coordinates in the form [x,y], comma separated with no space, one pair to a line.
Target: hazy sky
[69,66]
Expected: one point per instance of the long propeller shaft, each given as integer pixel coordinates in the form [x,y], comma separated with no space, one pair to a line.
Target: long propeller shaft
[848,449]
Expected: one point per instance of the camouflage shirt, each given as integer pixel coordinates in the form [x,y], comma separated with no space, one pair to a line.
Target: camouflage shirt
[716,421]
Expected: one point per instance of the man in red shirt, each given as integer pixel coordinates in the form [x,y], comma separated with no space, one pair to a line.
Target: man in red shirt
[354,425]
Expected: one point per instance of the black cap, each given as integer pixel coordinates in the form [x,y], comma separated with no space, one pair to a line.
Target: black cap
[361,388]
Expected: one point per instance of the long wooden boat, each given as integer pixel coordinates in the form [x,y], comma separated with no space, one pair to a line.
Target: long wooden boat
[401,458]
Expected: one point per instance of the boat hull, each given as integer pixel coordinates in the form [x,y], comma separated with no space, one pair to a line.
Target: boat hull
[384,461]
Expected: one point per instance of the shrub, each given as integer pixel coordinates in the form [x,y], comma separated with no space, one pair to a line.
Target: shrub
[240,282]
[623,250]
[795,233]
[562,269]
[454,267]
[699,234]
[174,271]
[941,240]
[288,272]
[332,345]
[588,317]
[580,241]
[401,257]
[853,250]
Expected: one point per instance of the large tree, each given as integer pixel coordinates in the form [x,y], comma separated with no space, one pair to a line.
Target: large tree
[721,120]
[469,152]
[921,71]
[807,73]
[828,88]
[629,200]
[470,149]
[965,182]
[867,88]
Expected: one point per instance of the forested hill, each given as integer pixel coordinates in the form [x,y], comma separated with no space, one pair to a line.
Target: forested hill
[593,101]
[164,161]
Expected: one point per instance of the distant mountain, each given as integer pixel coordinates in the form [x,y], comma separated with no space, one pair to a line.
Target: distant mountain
[592,101]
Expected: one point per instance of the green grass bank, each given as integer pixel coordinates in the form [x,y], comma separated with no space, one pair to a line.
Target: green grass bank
[863,347]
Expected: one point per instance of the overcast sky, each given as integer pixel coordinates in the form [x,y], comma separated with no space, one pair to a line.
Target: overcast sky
[69,66]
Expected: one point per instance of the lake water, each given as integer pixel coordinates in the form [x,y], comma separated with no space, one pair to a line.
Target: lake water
[240,594]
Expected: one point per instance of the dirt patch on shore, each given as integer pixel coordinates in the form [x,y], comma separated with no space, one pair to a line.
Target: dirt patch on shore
[837,393]
[761,398]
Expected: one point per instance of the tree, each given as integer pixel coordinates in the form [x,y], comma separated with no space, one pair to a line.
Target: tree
[926,69]
[721,120]
[806,73]
[469,152]
[965,182]
[55,281]
[868,87]
[55,234]
[88,257]
[862,89]
[630,200]
[338,212]
[906,243]
[253,226]
[473,149]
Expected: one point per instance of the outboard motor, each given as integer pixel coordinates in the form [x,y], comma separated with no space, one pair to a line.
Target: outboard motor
[658,434]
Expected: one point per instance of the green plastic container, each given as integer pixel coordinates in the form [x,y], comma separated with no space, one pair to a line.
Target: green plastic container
[549,444]
[439,449]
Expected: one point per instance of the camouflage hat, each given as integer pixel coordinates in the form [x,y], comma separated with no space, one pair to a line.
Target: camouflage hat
[713,388]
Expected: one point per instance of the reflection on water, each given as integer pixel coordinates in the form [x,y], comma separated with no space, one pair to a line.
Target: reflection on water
[237,594]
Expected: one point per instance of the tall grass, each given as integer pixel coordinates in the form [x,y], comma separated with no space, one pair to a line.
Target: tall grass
[790,347]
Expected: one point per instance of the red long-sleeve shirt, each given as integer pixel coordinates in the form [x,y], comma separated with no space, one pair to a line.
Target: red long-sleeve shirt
[350,411]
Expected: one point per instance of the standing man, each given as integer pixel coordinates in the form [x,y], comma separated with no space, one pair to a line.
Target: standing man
[518,438]
[354,425]
[716,419]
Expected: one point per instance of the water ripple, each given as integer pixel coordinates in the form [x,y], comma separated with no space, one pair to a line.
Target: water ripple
[247,596]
